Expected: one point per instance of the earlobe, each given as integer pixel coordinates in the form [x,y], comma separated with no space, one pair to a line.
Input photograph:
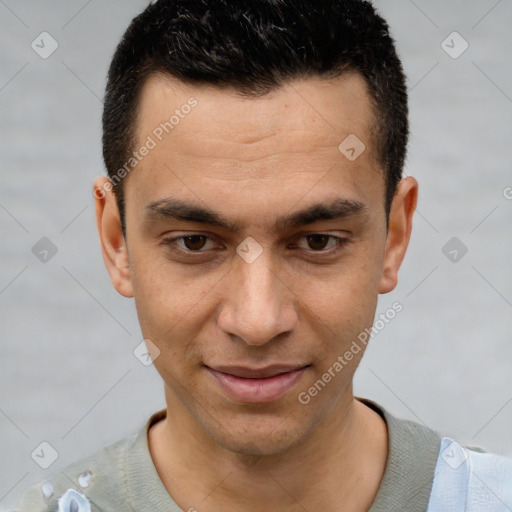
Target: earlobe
[113,243]
[399,232]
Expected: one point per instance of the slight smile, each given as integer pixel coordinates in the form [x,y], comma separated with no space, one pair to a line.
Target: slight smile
[250,385]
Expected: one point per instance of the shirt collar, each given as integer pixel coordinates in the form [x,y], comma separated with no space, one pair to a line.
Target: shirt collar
[406,484]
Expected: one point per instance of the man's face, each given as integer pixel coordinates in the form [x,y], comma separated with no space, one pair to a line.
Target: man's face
[297,293]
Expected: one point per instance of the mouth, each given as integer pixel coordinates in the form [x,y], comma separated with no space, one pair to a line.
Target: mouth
[257,385]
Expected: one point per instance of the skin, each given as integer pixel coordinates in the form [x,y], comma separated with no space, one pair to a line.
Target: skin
[252,161]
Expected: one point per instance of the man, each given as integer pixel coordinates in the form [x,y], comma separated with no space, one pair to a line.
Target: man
[255,209]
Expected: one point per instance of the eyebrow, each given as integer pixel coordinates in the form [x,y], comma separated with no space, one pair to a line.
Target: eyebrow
[180,210]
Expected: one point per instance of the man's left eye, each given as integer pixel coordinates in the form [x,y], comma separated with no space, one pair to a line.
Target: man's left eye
[320,242]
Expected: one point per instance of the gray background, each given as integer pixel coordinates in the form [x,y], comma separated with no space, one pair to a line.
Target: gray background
[68,375]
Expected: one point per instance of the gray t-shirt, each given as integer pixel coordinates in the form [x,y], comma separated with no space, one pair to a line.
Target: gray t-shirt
[123,478]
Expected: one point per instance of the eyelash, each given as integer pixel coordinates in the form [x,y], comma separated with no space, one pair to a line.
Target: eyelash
[171,242]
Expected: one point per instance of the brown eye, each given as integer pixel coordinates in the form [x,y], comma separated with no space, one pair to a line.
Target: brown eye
[191,243]
[194,242]
[318,242]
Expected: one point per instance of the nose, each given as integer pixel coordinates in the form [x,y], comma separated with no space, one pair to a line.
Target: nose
[258,304]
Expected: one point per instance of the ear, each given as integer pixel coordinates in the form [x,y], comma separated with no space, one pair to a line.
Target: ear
[399,232]
[113,243]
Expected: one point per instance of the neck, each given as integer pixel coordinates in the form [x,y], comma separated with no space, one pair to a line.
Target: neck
[342,461]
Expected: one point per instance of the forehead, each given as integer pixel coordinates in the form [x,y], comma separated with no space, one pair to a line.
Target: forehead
[212,141]
[327,108]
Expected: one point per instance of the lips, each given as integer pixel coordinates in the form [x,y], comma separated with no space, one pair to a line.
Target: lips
[257,385]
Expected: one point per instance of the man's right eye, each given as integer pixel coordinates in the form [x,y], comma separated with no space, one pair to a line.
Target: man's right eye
[189,243]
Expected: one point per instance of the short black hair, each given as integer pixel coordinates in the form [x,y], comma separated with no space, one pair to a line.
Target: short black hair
[255,47]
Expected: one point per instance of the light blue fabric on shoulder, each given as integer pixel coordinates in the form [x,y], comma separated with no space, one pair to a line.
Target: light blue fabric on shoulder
[470,480]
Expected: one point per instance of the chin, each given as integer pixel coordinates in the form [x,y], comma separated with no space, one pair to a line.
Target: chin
[258,437]
[258,444]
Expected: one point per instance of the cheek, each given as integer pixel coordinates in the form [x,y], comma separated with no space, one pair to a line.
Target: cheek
[168,308]
[342,307]
[349,293]
[169,298]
